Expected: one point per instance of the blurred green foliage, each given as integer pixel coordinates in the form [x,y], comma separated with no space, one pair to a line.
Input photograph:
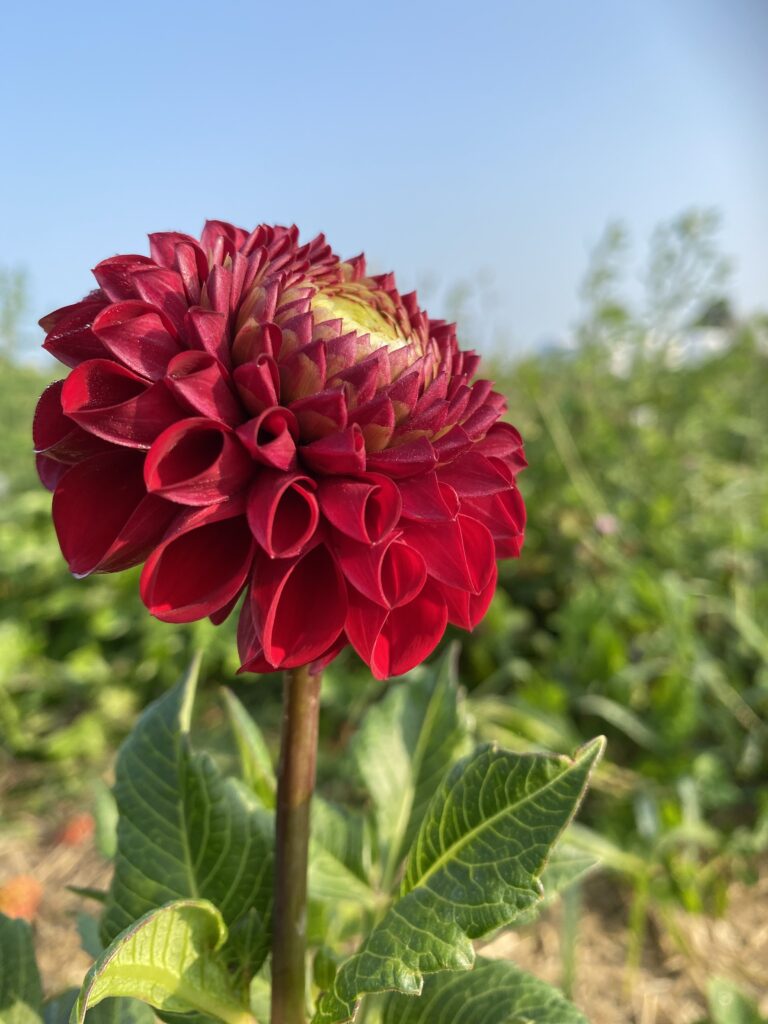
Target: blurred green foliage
[638,608]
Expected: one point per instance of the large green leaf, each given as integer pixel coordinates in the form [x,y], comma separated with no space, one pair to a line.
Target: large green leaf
[170,959]
[495,992]
[184,830]
[21,996]
[403,750]
[474,867]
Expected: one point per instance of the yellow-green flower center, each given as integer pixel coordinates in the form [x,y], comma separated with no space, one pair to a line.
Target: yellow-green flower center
[362,310]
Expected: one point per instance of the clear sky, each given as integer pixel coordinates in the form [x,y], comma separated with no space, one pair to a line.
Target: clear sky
[443,138]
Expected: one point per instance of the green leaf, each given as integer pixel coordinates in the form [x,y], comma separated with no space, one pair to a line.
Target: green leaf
[620,717]
[728,1005]
[475,866]
[90,938]
[59,1009]
[495,992]
[21,996]
[184,830]
[568,864]
[403,750]
[169,959]
[105,817]
[255,761]
[87,893]
[339,864]
[111,1011]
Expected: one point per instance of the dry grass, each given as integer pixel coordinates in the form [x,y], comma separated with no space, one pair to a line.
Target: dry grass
[681,954]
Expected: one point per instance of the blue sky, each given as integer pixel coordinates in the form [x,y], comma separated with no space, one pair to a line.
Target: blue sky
[445,139]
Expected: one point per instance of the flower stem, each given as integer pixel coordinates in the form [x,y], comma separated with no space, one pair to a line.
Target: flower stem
[295,784]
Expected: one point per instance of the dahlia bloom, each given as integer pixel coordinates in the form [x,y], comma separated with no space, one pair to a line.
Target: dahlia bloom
[245,413]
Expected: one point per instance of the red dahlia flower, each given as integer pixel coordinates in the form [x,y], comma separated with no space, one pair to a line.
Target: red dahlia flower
[247,413]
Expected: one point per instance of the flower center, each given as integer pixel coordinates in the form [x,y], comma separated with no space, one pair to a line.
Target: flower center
[362,310]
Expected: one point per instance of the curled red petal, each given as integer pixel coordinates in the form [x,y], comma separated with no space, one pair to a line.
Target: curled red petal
[501,440]
[93,302]
[296,333]
[503,514]
[342,453]
[183,253]
[256,339]
[473,475]
[303,372]
[362,381]
[270,438]
[258,383]
[219,288]
[249,647]
[206,329]
[223,613]
[104,518]
[116,276]
[453,443]
[197,461]
[365,508]
[50,471]
[426,499]
[479,393]
[252,657]
[112,402]
[199,382]
[413,458]
[283,512]
[321,414]
[479,423]
[377,422]
[403,394]
[391,573]
[393,642]
[58,437]
[459,554]
[138,335]
[341,350]
[164,290]
[222,238]
[465,609]
[298,605]
[70,337]
[201,563]
[261,301]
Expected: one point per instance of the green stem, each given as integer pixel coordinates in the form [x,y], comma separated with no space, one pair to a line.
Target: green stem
[295,785]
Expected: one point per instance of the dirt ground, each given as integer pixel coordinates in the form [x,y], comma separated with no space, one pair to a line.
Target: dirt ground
[666,988]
